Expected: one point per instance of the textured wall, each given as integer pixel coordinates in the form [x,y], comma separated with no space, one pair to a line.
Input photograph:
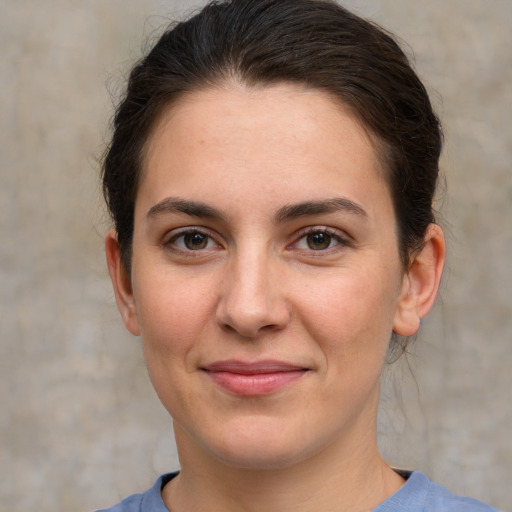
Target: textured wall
[80,426]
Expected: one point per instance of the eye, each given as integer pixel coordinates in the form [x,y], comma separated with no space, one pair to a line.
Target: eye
[193,240]
[319,239]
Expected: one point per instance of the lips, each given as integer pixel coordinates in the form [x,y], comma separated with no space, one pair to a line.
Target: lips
[253,378]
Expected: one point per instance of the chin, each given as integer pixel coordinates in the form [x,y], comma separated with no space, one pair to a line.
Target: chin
[258,459]
[254,448]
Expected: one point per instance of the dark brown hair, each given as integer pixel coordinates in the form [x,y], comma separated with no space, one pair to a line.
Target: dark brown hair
[312,42]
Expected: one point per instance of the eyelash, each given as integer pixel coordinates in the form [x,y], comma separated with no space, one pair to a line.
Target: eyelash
[172,241]
[333,235]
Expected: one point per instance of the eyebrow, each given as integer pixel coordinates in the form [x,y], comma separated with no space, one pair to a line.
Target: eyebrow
[333,205]
[192,208]
[286,213]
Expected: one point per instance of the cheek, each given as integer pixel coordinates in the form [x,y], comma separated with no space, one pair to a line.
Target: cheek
[172,312]
[352,315]
[173,315]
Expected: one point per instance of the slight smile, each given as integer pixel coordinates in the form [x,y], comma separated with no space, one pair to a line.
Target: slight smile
[253,379]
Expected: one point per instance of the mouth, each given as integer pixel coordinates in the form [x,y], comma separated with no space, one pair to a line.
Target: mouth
[253,378]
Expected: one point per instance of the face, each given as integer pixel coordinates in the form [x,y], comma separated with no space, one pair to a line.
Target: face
[265,279]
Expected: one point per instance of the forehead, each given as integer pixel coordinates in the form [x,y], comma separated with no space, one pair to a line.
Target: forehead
[283,135]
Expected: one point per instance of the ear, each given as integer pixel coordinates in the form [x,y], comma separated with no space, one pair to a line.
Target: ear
[421,282]
[121,281]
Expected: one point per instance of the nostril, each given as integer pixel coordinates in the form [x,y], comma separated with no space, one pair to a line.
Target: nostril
[251,325]
[250,302]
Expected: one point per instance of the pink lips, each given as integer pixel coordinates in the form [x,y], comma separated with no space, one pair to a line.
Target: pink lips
[253,379]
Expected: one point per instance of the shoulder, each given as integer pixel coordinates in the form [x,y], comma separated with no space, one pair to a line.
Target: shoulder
[419,494]
[149,501]
[440,499]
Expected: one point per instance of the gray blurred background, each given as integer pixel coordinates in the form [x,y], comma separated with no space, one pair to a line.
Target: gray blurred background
[80,426]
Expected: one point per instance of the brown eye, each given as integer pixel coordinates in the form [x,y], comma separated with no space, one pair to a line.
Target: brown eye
[195,241]
[192,241]
[318,241]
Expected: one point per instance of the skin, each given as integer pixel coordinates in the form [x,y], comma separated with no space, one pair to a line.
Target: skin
[256,285]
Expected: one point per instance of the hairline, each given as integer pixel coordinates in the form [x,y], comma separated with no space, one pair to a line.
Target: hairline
[231,77]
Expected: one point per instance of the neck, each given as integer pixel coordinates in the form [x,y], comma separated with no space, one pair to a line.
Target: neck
[336,479]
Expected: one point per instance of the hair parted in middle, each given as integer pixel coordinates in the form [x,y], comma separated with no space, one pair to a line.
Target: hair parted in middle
[257,43]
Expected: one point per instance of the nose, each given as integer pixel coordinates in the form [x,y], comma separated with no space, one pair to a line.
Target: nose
[252,301]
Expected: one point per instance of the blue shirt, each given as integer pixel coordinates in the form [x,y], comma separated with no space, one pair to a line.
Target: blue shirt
[418,494]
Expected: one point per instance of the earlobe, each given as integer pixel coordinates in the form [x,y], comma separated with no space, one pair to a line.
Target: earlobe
[121,283]
[421,282]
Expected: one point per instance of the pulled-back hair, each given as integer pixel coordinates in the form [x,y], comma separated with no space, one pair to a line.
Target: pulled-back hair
[316,43]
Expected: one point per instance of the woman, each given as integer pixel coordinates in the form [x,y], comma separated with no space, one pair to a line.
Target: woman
[270,178]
